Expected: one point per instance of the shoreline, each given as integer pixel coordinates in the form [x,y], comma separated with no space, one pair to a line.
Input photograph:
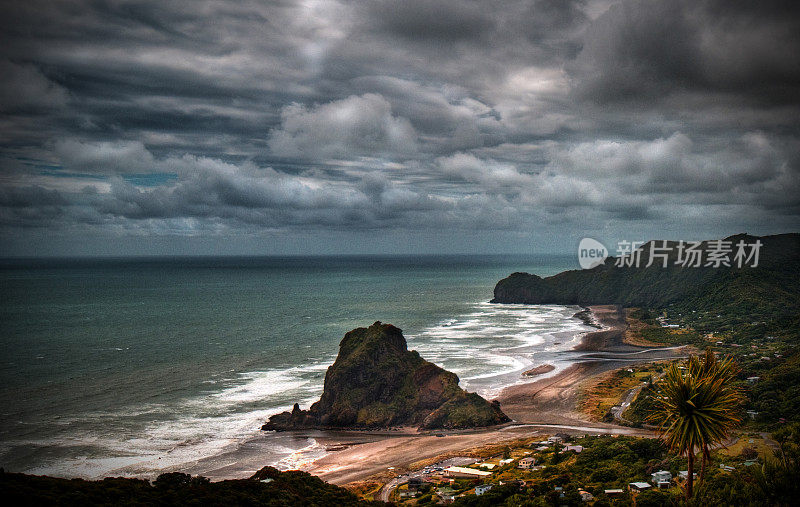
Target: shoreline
[536,406]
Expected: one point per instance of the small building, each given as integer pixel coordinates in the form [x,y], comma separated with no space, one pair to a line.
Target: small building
[447,494]
[506,461]
[638,486]
[483,488]
[613,492]
[684,475]
[487,466]
[661,479]
[466,472]
[752,414]
[577,449]
[753,380]
[555,439]
[726,468]
[526,463]
[585,496]
[542,448]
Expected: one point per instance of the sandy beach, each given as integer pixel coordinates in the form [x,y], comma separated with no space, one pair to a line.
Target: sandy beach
[544,405]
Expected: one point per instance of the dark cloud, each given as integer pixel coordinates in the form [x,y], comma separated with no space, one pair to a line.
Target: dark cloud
[650,48]
[431,19]
[227,119]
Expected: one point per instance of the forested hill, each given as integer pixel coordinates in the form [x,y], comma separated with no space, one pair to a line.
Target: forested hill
[770,291]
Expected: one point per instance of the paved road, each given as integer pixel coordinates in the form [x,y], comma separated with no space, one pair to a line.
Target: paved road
[617,410]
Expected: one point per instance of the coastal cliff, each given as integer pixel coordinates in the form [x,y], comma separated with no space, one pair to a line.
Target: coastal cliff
[767,291]
[376,382]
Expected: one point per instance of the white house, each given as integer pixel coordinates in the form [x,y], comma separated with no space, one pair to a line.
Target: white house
[526,463]
[661,479]
[483,488]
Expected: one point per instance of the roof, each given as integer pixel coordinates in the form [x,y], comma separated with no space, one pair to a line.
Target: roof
[640,485]
[612,491]
[468,471]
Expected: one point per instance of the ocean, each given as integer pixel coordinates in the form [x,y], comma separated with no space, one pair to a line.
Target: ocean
[135,366]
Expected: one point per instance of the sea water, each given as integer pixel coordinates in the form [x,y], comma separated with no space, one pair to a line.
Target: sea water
[142,365]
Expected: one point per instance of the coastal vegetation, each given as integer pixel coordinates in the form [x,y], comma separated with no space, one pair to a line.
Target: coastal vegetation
[767,293]
[268,487]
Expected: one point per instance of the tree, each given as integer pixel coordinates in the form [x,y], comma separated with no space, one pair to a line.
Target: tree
[722,373]
[777,478]
[697,407]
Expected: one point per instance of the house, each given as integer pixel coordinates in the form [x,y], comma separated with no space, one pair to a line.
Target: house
[661,479]
[726,468]
[465,472]
[555,440]
[506,461]
[638,486]
[585,496]
[526,463]
[753,380]
[487,466]
[684,475]
[577,449]
[408,494]
[483,488]
[752,414]
[447,494]
[613,492]
[542,448]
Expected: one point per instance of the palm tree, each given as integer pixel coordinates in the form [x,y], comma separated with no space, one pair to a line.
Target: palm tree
[723,371]
[697,407]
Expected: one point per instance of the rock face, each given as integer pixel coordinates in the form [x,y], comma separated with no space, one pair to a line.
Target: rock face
[376,382]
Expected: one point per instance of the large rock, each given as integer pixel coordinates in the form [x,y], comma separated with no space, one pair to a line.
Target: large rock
[376,382]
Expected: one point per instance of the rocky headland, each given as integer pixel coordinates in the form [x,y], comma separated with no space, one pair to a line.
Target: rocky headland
[376,382]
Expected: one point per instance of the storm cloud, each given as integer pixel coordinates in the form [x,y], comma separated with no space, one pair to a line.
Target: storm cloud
[321,126]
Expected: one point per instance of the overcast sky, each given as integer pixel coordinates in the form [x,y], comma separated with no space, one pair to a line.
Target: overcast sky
[371,126]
